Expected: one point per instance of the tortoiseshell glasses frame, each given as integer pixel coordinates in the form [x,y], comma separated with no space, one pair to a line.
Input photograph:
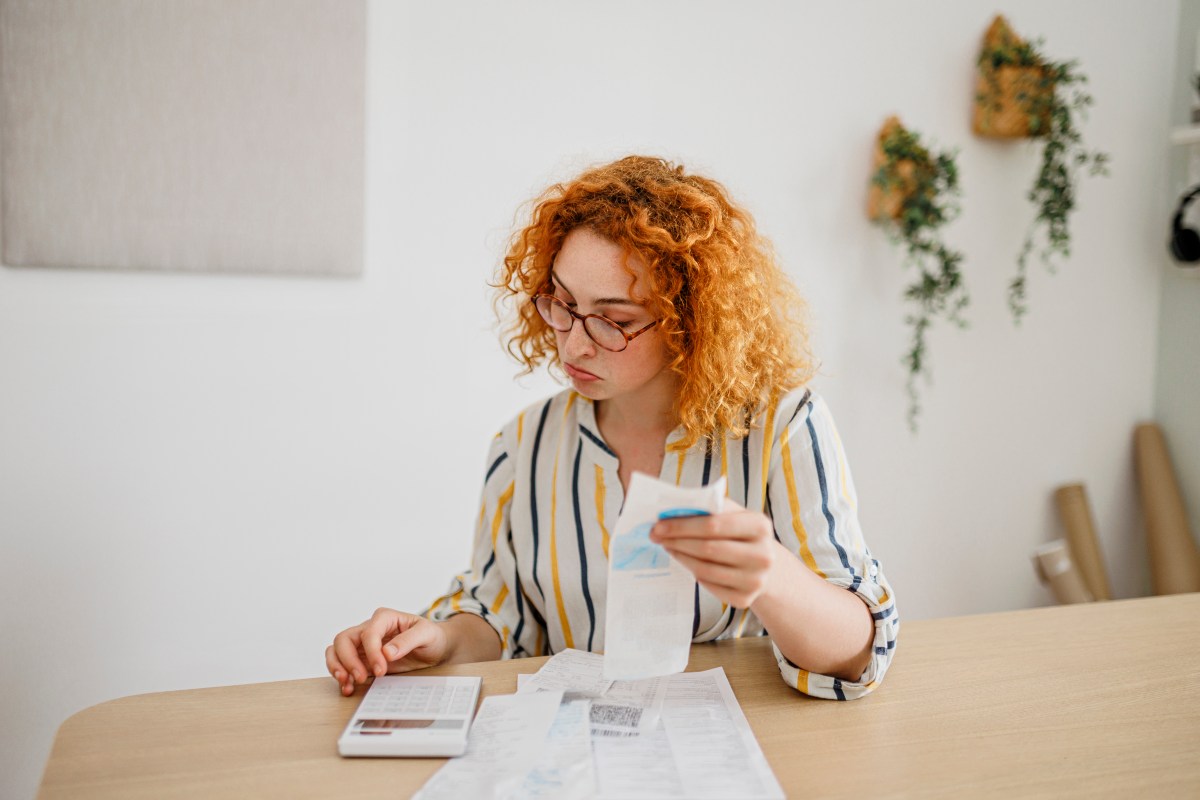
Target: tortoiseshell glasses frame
[600,329]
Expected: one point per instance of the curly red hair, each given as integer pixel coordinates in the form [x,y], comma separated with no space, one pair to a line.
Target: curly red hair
[733,322]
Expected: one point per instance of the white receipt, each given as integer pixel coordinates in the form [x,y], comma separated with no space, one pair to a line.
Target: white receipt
[572,671]
[619,708]
[703,748]
[650,605]
[505,743]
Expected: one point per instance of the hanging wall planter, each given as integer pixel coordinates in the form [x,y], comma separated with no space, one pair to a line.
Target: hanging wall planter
[1020,94]
[912,193]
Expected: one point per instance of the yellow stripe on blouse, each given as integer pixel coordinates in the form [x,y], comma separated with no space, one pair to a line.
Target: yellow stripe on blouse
[499,601]
[789,475]
[742,625]
[456,598]
[600,509]
[841,458]
[498,517]
[558,593]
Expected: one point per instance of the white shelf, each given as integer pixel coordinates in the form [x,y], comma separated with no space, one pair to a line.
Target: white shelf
[1189,134]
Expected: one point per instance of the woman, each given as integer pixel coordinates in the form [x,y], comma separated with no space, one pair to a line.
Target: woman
[681,337]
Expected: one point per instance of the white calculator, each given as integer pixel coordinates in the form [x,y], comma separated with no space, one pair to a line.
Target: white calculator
[409,715]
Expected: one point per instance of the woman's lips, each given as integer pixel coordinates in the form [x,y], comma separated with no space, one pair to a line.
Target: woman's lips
[579,374]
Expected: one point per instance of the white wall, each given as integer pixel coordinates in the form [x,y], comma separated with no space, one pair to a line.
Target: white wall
[202,478]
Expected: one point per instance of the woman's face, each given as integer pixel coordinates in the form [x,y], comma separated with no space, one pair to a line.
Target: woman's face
[590,276]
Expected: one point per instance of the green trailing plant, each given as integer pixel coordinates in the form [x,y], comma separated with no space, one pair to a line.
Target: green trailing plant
[1051,97]
[916,195]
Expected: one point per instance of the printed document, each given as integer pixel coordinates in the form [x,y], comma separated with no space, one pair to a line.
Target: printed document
[703,748]
[504,745]
[676,736]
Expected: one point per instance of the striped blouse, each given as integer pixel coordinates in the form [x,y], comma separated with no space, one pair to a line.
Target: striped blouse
[551,494]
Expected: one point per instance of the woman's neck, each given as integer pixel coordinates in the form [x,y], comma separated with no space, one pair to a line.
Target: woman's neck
[650,412]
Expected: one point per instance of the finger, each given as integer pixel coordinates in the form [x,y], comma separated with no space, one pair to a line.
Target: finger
[730,525]
[382,623]
[737,598]
[340,673]
[420,645]
[719,574]
[334,666]
[346,648]
[736,593]
[727,552]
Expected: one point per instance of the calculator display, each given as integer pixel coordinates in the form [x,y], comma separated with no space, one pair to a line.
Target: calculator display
[412,715]
[436,724]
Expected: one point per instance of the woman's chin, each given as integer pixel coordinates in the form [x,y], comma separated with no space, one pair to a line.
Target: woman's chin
[589,389]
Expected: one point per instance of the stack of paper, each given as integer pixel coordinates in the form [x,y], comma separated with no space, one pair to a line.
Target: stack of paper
[570,733]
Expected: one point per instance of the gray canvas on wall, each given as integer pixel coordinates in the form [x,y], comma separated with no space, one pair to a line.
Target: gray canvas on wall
[196,135]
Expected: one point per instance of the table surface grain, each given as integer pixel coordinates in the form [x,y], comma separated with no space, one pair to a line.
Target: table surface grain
[1096,700]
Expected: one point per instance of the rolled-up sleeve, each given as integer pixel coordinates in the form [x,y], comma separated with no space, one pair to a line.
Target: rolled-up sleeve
[486,588]
[815,513]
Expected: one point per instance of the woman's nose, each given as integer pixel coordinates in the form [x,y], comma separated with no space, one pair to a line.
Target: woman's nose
[578,343]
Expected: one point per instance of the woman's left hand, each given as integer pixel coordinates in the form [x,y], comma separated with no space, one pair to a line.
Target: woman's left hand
[730,553]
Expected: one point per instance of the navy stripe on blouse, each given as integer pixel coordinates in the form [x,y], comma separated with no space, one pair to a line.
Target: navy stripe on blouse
[746,471]
[597,440]
[583,567]
[494,465]
[832,526]
[533,505]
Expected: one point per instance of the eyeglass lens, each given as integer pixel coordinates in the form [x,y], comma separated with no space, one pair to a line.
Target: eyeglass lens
[558,316]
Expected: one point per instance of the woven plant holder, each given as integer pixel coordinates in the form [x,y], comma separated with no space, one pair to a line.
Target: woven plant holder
[1003,98]
[888,203]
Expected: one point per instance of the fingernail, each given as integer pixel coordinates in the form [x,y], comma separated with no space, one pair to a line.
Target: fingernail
[391,650]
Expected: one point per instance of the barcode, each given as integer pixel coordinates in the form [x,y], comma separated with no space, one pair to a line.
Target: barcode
[611,732]
[622,716]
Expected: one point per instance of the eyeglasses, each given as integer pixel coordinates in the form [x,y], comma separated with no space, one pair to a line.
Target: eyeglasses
[601,330]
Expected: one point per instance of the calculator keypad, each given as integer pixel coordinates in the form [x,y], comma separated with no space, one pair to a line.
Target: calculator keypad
[418,700]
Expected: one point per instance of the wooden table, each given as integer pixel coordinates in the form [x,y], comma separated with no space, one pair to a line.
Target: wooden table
[1093,700]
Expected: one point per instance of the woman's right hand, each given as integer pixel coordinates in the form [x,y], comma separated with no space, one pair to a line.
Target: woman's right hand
[390,641]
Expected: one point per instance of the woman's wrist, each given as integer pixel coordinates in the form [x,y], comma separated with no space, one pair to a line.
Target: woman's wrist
[469,638]
[781,583]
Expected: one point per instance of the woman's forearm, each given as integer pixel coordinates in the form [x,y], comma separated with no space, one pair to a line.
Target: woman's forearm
[819,627]
[469,639]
